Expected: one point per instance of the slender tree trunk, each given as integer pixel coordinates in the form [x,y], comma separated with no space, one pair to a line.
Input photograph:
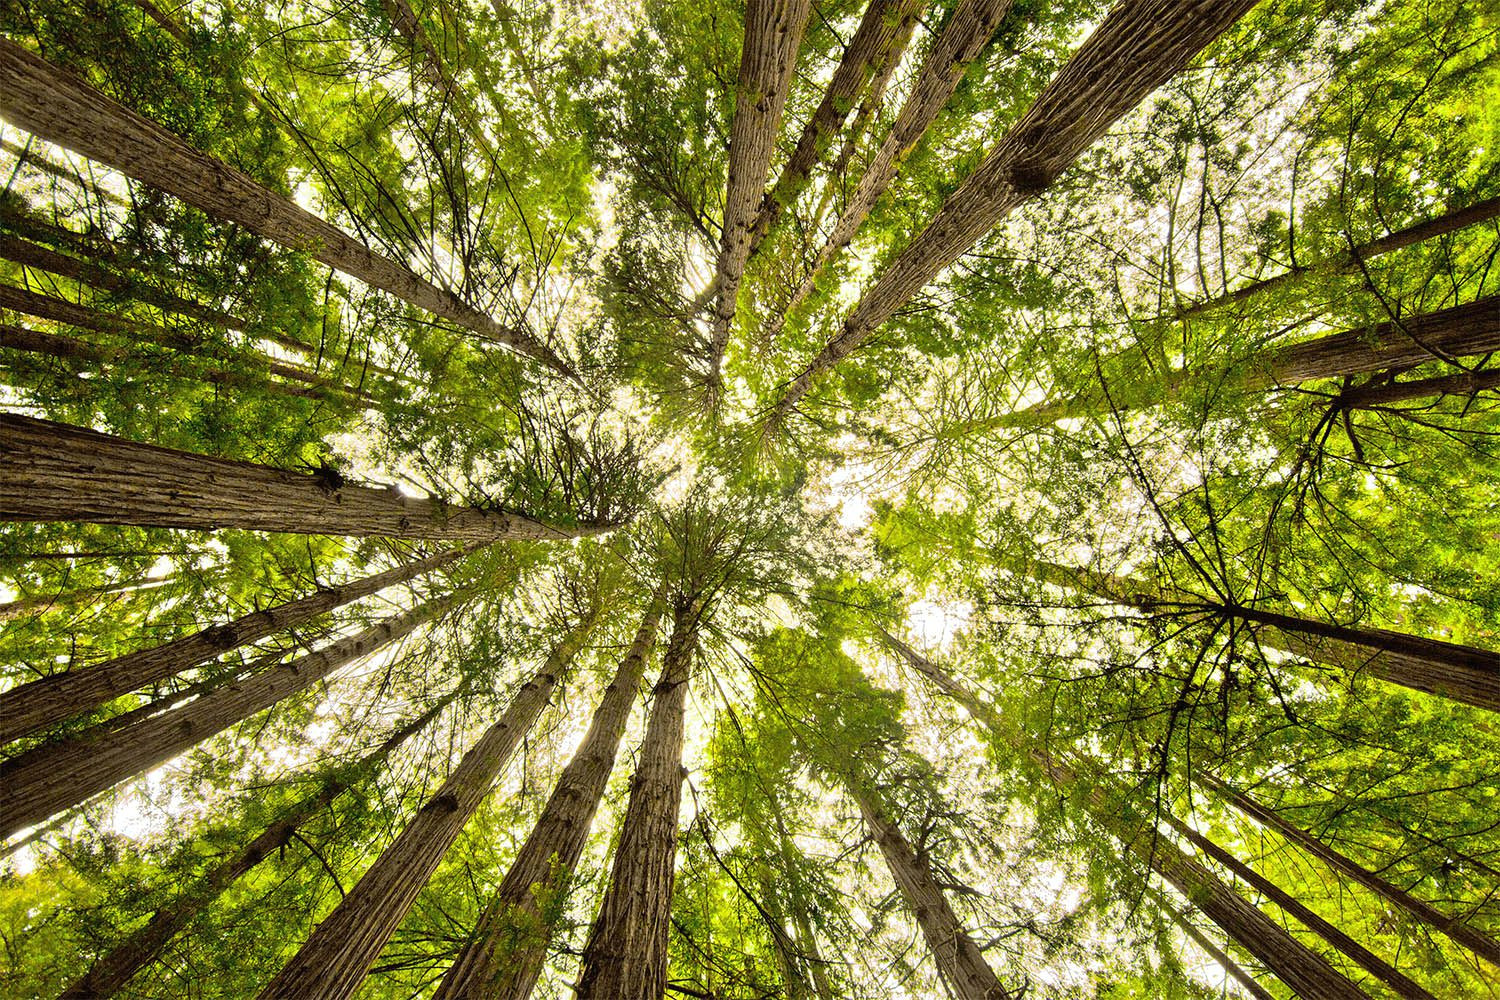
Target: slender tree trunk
[968,30]
[113,970]
[1140,46]
[1477,942]
[63,109]
[626,954]
[1356,952]
[58,472]
[1219,955]
[337,958]
[773,33]
[960,963]
[1410,236]
[1303,970]
[1376,396]
[72,598]
[29,707]
[69,772]
[506,955]
[1447,669]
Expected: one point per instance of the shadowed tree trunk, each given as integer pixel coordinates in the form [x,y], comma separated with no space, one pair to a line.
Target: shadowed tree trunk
[1477,942]
[1140,46]
[110,973]
[31,706]
[505,957]
[335,960]
[58,472]
[61,775]
[968,30]
[959,961]
[773,32]
[61,108]
[626,954]
[1228,964]
[1447,669]
[1356,952]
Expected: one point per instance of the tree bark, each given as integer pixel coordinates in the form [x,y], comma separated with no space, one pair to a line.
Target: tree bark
[505,957]
[1477,942]
[69,772]
[1447,669]
[773,33]
[1213,951]
[29,707]
[63,109]
[1356,952]
[112,971]
[968,30]
[960,963]
[1140,46]
[26,605]
[58,472]
[337,958]
[626,954]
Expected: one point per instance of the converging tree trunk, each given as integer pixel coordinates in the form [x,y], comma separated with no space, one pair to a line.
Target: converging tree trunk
[626,954]
[73,598]
[29,707]
[113,970]
[773,33]
[58,472]
[64,774]
[1140,46]
[959,961]
[335,960]
[1234,970]
[1477,942]
[505,957]
[61,108]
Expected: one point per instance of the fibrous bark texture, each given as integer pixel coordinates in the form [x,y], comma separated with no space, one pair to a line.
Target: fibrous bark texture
[31,706]
[61,775]
[626,954]
[505,957]
[58,472]
[63,109]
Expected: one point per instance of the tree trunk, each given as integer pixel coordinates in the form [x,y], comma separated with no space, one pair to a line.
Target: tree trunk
[968,30]
[1219,955]
[335,960]
[1477,942]
[773,33]
[72,598]
[29,707]
[69,772]
[63,109]
[960,963]
[1296,965]
[1140,46]
[1356,952]
[626,954]
[1410,236]
[113,970]
[1376,396]
[58,472]
[1447,669]
[505,957]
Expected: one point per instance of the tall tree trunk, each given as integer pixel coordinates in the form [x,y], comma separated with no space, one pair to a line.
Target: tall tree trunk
[1447,669]
[67,773]
[960,963]
[58,472]
[1356,952]
[335,960]
[1296,965]
[63,109]
[505,957]
[1140,46]
[72,598]
[1219,955]
[968,30]
[626,954]
[1451,222]
[113,970]
[1477,942]
[885,24]
[773,33]
[29,707]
